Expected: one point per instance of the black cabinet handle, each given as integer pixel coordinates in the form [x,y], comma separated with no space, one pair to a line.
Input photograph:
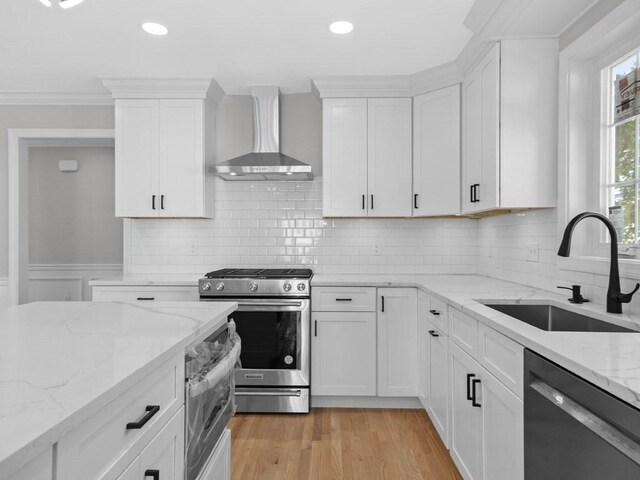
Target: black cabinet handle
[469,377]
[371,202]
[474,382]
[363,200]
[415,201]
[471,193]
[434,312]
[474,193]
[146,298]
[151,411]
[155,474]
[315,328]
[382,302]
[153,202]
[343,299]
[433,333]
[161,202]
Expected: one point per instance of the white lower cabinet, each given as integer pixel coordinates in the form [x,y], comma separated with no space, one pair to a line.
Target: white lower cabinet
[438,407]
[40,468]
[219,466]
[132,472]
[397,342]
[487,422]
[343,353]
[164,293]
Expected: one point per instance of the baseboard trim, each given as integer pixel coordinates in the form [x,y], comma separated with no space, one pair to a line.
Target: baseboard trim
[321,401]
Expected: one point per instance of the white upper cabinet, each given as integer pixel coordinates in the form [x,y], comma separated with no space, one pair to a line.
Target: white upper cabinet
[344,150]
[367,157]
[436,152]
[389,157]
[509,104]
[164,134]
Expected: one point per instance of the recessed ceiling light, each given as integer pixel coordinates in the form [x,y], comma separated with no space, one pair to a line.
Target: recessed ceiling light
[155,28]
[69,3]
[341,27]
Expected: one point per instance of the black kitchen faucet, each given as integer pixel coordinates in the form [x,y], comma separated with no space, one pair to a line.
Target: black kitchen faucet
[615,298]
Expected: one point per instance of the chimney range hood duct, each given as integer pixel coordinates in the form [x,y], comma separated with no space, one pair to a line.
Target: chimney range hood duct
[266,162]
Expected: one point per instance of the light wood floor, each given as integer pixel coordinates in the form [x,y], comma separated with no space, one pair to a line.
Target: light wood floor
[335,444]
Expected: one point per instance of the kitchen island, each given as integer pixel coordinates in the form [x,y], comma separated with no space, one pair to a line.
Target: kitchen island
[63,363]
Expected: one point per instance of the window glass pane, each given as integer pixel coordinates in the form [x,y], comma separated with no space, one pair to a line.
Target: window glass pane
[625,197]
[625,152]
[626,88]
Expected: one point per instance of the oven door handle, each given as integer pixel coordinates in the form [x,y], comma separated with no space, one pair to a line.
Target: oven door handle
[270,304]
[257,392]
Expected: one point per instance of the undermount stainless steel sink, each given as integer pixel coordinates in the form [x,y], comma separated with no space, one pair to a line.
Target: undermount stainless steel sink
[555,319]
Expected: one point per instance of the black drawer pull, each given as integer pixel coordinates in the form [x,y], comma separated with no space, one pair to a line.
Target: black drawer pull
[151,411]
[469,377]
[434,312]
[415,201]
[383,303]
[146,298]
[315,328]
[155,474]
[433,333]
[474,382]
[344,299]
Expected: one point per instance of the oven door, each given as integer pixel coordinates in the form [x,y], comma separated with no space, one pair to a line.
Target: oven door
[275,335]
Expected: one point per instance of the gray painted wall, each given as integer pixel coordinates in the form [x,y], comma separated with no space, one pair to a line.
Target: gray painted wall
[300,128]
[40,117]
[71,214]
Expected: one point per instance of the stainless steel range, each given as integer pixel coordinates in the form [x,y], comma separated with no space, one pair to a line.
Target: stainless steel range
[274,323]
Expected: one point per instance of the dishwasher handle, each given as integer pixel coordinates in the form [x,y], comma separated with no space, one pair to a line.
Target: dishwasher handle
[598,425]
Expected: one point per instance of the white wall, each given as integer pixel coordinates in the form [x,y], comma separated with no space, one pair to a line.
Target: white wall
[265,224]
[71,214]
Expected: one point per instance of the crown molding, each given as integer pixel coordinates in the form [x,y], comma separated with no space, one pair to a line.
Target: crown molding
[387,85]
[204,88]
[55,98]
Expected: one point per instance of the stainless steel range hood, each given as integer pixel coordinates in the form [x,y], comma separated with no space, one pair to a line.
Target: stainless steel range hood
[266,162]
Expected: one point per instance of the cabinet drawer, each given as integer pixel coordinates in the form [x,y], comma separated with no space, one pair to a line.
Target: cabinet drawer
[145,294]
[464,331]
[501,356]
[343,299]
[94,445]
[438,315]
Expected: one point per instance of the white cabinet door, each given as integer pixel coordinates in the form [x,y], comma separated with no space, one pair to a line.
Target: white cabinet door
[343,350]
[488,192]
[136,158]
[472,140]
[219,465]
[165,453]
[132,472]
[389,157]
[344,157]
[424,367]
[502,432]
[397,342]
[181,158]
[439,383]
[466,420]
[436,152]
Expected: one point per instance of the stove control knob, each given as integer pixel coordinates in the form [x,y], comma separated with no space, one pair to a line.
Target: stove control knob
[286,287]
[220,287]
[253,287]
[206,287]
[301,287]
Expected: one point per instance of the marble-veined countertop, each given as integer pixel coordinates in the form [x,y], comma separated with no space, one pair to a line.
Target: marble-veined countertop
[609,360]
[61,362]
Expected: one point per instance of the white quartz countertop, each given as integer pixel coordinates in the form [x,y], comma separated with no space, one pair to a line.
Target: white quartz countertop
[133,281]
[609,360]
[61,362]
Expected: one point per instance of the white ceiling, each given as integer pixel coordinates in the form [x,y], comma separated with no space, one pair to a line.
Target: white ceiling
[238,42]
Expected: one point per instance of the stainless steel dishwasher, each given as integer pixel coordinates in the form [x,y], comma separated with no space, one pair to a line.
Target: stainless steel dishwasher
[575,430]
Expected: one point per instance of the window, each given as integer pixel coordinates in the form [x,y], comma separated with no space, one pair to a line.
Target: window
[623,148]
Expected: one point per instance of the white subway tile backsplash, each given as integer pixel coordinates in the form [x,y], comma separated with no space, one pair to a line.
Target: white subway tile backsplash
[268,224]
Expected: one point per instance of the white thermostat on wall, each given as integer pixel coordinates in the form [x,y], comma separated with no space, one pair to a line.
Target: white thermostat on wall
[68,165]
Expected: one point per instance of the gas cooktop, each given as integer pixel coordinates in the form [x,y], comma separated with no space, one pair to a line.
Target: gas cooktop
[261,273]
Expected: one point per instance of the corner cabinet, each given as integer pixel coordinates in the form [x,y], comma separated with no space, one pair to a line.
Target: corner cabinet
[509,128]
[436,153]
[367,160]
[161,158]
